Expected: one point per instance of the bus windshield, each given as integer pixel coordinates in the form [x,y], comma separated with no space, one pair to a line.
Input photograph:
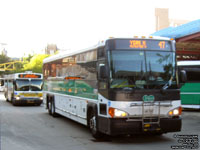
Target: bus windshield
[28,85]
[36,85]
[142,69]
[22,85]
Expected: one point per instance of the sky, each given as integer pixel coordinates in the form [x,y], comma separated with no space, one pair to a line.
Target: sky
[27,26]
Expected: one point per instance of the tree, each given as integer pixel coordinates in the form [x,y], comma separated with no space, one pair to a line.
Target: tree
[4,59]
[29,57]
[35,64]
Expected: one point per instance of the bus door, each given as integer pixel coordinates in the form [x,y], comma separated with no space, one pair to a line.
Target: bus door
[102,88]
[1,85]
[10,90]
[1,82]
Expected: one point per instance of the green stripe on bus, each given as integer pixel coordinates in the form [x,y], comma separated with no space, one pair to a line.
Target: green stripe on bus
[71,87]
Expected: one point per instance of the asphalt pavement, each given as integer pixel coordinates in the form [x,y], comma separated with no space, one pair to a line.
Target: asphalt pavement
[31,128]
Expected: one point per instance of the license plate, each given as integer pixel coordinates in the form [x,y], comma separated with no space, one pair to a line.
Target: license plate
[30,94]
[148,111]
[147,125]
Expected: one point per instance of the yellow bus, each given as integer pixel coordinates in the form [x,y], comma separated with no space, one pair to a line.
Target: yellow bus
[24,88]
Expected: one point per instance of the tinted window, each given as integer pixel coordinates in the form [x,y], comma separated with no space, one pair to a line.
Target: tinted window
[193,73]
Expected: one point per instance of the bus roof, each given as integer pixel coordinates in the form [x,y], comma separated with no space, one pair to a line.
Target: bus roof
[100,43]
[188,63]
[16,75]
[67,53]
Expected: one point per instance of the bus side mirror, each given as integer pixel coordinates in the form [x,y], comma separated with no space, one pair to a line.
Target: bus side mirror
[183,76]
[102,72]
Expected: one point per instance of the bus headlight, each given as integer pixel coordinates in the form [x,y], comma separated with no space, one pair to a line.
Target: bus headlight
[17,98]
[41,98]
[113,112]
[175,112]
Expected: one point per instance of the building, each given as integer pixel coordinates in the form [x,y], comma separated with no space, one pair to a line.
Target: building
[2,49]
[187,38]
[163,20]
[51,49]
[4,52]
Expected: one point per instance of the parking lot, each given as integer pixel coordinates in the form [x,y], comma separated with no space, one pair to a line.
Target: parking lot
[31,128]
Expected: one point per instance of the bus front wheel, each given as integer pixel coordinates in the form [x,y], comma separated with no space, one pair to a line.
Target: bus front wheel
[93,125]
[14,102]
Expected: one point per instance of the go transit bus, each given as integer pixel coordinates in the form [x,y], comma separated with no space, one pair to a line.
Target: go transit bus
[24,88]
[120,86]
[190,91]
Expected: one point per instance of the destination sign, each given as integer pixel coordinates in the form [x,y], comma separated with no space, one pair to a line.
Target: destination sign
[142,44]
[29,76]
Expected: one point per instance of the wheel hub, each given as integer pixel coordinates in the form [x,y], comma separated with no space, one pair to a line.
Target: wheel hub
[93,123]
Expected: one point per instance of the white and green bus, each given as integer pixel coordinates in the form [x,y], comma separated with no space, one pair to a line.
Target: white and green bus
[120,86]
[190,91]
[24,88]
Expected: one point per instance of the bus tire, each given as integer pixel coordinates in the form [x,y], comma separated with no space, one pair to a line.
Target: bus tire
[53,110]
[158,134]
[6,97]
[49,107]
[14,102]
[93,125]
[38,104]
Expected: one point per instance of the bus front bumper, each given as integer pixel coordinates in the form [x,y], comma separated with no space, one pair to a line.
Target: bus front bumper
[120,126]
[28,101]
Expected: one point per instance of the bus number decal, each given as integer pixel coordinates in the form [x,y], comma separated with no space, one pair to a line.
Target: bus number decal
[161,44]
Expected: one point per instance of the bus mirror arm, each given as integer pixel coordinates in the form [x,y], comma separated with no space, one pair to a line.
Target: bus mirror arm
[183,76]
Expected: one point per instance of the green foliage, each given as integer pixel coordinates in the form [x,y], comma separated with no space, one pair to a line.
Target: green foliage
[35,64]
[4,59]
[18,68]
[31,63]
[29,57]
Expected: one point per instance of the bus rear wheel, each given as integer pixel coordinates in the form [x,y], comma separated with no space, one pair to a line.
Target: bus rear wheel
[49,107]
[6,97]
[53,109]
